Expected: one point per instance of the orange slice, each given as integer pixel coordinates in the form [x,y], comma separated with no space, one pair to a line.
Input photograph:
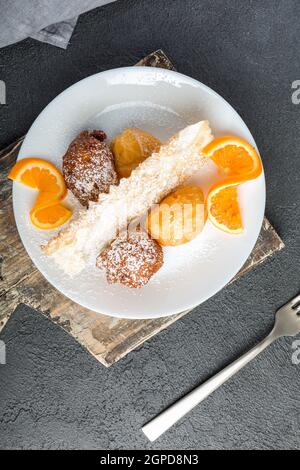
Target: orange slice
[45,199]
[223,207]
[179,217]
[39,174]
[235,157]
[241,162]
[132,147]
[49,216]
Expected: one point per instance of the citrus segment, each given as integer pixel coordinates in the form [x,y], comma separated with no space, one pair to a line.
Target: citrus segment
[39,174]
[49,217]
[223,208]
[36,173]
[45,199]
[235,157]
[241,163]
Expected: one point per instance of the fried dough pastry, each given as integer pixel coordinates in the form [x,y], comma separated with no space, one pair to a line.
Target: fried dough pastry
[177,160]
[132,147]
[179,217]
[131,259]
[88,166]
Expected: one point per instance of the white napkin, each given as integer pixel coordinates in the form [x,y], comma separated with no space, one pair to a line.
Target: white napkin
[44,20]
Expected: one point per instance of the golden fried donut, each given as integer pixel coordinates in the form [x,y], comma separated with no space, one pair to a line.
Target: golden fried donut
[132,147]
[179,217]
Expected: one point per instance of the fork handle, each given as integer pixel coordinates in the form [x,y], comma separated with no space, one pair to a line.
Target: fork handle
[157,426]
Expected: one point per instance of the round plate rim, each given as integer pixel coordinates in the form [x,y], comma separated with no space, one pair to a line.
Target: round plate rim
[150,70]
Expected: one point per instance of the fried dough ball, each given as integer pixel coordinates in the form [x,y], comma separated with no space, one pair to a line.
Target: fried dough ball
[179,217]
[132,147]
[131,259]
[88,166]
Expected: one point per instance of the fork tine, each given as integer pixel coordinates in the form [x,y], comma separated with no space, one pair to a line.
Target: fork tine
[295,300]
[297,309]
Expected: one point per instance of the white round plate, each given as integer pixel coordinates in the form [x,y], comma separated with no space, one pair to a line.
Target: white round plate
[161,102]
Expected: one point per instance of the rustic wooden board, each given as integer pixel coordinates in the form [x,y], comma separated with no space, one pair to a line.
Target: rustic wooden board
[107,339]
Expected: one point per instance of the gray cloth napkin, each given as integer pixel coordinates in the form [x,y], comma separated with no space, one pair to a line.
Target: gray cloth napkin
[44,20]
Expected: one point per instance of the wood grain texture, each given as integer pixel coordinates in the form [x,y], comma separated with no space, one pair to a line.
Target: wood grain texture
[107,339]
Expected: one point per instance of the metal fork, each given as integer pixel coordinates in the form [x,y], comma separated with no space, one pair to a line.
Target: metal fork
[287,323]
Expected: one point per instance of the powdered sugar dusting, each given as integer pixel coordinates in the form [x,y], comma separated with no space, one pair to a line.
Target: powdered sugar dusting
[88,166]
[148,184]
[131,259]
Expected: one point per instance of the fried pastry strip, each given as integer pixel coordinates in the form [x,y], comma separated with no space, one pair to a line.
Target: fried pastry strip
[158,175]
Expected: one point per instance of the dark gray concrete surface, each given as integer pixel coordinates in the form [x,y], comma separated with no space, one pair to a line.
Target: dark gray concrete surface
[52,393]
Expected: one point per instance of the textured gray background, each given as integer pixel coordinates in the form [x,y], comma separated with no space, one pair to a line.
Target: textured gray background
[53,394]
